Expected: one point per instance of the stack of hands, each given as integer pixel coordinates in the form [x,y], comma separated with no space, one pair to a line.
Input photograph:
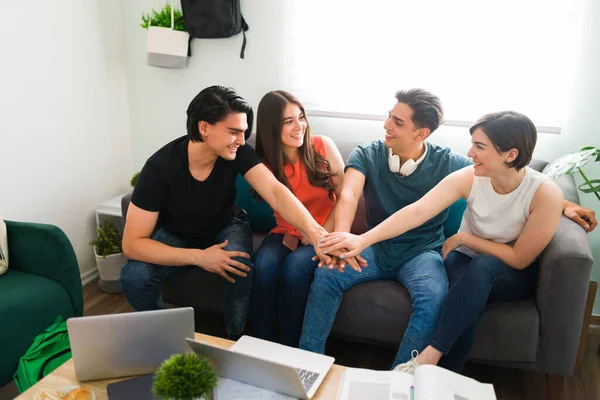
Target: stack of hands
[338,249]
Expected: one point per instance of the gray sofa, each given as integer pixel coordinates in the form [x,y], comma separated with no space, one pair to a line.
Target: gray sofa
[540,334]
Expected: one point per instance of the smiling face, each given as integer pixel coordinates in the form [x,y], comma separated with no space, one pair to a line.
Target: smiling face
[293,127]
[226,136]
[400,131]
[487,160]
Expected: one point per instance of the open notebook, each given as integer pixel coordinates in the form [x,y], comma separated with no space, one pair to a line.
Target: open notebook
[428,383]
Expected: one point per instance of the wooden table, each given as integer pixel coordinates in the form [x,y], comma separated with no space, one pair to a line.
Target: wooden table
[65,376]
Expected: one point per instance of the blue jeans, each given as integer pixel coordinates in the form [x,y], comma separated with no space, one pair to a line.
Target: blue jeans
[423,276]
[140,280]
[474,281]
[282,281]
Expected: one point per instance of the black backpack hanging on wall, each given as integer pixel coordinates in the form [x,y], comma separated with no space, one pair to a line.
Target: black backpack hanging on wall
[212,19]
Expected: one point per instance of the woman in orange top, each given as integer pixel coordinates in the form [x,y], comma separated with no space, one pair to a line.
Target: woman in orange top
[312,168]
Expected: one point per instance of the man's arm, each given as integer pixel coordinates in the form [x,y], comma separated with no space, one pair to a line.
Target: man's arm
[286,204]
[352,188]
[336,163]
[138,245]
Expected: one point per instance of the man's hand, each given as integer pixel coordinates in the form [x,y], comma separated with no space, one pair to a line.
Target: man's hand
[219,261]
[356,263]
[585,217]
[452,243]
[354,244]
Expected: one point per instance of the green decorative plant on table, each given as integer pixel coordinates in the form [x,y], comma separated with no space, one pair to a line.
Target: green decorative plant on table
[185,377]
[572,164]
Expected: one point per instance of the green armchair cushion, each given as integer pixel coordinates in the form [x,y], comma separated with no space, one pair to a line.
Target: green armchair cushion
[45,250]
[28,304]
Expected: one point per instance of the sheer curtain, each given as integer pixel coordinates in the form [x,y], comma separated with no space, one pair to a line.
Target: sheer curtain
[477,55]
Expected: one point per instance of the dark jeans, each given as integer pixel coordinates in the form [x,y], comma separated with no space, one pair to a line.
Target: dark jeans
[140,280]
[474,281]
[282,281]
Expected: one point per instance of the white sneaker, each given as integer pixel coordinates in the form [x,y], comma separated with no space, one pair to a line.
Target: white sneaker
[411,366]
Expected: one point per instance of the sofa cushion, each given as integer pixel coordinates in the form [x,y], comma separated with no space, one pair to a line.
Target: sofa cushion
[376,311]
[28,304]
[508,331]
[259,213]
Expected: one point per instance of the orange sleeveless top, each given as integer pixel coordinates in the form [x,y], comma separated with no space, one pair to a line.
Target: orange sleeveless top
[315,199]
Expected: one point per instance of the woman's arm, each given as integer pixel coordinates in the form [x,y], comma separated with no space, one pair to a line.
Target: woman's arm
[453,187]
[282,200]
[545,212]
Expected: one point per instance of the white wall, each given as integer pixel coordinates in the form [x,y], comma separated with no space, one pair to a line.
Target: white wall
[65,144]
[159,97]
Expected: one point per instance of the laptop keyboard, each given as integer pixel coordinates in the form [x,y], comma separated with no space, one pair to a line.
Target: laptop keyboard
[307,378]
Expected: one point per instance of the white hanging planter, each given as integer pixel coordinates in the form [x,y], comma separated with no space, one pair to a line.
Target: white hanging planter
[167,48]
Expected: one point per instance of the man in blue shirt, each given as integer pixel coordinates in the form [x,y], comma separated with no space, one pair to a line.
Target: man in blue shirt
[392,174]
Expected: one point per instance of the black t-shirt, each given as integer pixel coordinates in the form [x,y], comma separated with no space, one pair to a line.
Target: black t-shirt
[193,210]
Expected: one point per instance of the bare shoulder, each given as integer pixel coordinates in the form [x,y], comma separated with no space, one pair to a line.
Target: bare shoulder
[547,195]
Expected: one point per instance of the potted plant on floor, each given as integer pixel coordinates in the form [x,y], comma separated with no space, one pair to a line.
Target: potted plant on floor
[167,41]
[109,257]
[185,377]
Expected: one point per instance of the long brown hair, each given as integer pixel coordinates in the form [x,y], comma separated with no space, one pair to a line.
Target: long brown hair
[269,123]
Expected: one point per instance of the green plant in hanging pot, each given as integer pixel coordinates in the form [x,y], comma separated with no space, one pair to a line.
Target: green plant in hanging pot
[162,18]
[167,40]
[185,376]
[572,164]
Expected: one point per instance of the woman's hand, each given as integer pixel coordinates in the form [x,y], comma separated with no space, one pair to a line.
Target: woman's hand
[452,243]
[352,244]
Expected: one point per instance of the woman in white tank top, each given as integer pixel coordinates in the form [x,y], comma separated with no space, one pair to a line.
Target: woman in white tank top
[512,213]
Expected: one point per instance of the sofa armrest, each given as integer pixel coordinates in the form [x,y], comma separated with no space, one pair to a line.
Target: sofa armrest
[564,278]
[45,250]
[125,200]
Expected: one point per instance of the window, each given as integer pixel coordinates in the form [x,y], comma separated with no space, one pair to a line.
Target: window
[478,56]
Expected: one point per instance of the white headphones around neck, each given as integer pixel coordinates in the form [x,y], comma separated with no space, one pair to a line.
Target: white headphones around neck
[409,165]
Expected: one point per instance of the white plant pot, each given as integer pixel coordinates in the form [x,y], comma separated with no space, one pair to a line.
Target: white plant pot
[109,269]
[167,48]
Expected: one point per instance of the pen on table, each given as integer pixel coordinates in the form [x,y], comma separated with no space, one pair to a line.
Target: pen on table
[412,393]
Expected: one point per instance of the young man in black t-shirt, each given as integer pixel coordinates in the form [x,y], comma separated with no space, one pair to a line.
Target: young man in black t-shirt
[188,187]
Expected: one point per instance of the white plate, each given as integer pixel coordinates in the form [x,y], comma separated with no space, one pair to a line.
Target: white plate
[57,394]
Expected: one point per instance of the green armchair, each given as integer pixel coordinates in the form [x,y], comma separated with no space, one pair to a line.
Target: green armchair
[42,282]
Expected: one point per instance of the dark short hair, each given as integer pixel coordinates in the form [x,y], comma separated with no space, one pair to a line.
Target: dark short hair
[212,105]
[509,130]
[427,108]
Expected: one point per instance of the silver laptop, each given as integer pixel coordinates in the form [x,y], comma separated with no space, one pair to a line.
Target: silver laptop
[268,365]
[116,345]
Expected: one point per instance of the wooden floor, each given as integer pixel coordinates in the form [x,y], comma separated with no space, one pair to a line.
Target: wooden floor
[509,384]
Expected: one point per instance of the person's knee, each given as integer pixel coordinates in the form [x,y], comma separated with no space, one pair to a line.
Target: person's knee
[484,267]
[298,266]
[134,274]
[265,264]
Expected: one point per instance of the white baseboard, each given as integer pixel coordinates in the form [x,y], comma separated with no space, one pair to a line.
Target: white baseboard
[89,276]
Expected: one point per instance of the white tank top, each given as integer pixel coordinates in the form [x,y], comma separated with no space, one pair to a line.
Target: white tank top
[498,217]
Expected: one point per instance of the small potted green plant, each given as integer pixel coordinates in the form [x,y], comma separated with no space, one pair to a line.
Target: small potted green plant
[109,257]
[185,377]
[167,41]
[134,179]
